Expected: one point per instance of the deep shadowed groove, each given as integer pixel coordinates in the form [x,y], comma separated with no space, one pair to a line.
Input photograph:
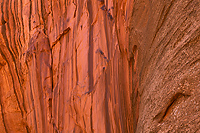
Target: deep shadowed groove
[164,113]
[107,117]
[90,58]
[66,31]
[52,85]
[22,23]
[106,28]
[43,13]
[77,79]
[30,18]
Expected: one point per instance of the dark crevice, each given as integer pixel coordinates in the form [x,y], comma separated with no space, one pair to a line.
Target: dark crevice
[166,111]
[84,123]
[107,117]
[60,36]
[30,18]
[22,23]
[28,130]
[55,128]
[90,59]
[91,117]
[75,9]
[52,83]
[77,79]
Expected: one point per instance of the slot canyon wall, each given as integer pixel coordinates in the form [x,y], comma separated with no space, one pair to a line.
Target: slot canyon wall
[111,66]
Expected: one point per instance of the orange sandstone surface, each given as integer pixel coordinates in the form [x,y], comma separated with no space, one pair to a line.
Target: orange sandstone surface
[99,66]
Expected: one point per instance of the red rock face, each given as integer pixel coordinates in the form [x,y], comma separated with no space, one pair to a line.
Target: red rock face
[99,66]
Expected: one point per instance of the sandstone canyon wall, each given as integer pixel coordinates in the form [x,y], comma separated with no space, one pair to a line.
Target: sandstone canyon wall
[98,66]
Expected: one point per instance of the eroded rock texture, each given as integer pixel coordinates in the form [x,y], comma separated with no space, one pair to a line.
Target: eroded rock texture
[99,66]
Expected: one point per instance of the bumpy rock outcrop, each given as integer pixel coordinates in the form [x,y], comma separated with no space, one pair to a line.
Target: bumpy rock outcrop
[99,66]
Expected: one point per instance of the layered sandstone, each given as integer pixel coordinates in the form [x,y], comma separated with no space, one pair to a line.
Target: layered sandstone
[99,66]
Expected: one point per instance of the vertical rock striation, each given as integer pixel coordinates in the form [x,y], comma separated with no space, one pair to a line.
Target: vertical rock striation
[99,66]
